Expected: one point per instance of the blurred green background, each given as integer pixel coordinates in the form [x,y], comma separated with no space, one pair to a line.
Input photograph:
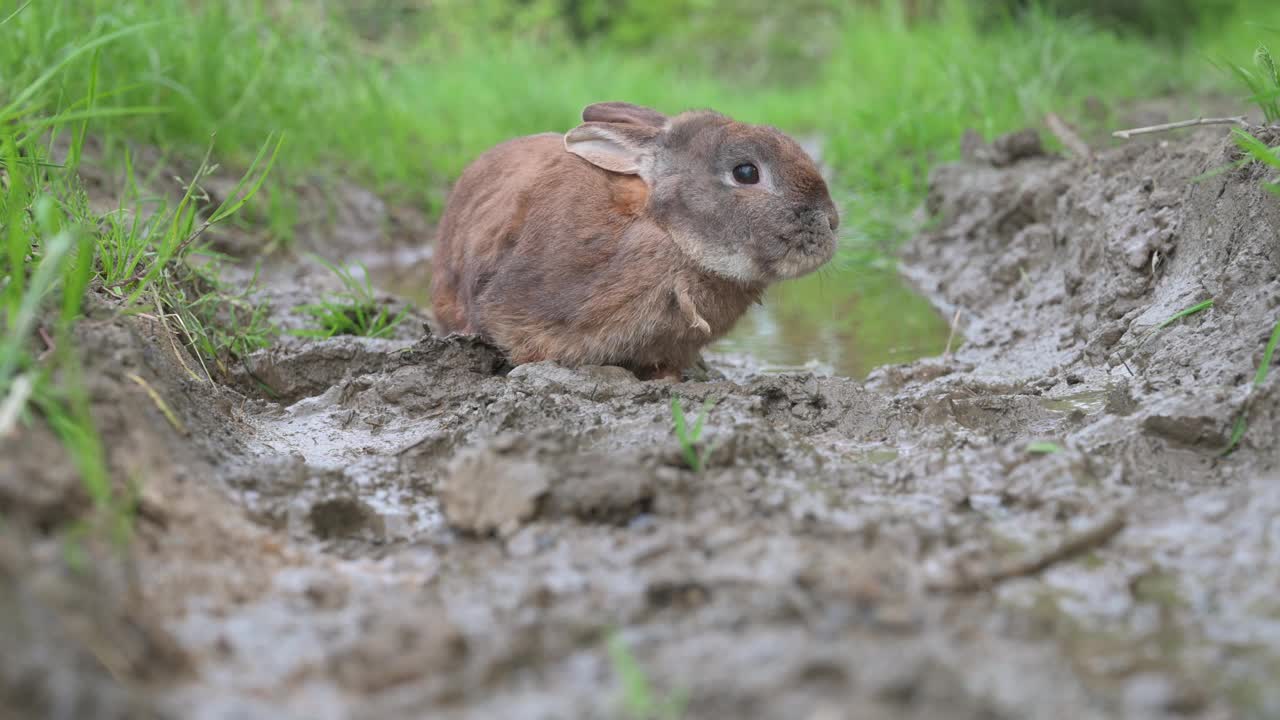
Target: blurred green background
[401,95]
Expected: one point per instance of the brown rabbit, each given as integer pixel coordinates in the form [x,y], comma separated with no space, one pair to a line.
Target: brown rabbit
[635,239]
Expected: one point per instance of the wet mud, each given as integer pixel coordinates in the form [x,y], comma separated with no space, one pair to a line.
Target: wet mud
[1040,525]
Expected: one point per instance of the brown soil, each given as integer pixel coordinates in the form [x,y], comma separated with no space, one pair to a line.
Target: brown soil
[410,528]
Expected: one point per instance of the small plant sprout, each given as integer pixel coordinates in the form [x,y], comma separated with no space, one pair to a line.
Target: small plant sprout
[639,699]
[1264,367]
[1044,448]
[688,437]
[354,312]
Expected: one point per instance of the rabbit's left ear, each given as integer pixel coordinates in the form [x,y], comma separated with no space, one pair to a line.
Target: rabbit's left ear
[617,147]
[620,112]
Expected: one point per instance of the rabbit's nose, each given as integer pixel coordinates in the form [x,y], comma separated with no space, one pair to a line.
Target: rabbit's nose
[815,214]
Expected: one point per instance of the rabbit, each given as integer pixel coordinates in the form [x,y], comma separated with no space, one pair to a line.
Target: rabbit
[633,240]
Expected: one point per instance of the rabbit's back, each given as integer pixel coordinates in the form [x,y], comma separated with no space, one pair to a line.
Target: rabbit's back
[484,209]
[533,229]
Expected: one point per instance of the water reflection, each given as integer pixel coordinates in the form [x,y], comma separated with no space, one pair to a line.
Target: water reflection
[850,321]
[843,321]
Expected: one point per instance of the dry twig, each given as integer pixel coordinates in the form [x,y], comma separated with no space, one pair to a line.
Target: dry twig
[955,320]
[49,344]
[1067,136]
[1068,549]
[1236,120]
[159,403]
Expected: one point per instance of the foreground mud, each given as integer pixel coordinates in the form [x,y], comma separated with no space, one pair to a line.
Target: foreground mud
[1042,525]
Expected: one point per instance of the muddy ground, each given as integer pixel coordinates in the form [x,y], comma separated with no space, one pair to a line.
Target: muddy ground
[1042,525]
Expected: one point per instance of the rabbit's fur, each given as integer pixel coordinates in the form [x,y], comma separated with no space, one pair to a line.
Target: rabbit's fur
[627,241]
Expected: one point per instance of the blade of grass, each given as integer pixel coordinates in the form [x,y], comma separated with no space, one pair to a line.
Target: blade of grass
[682,434]
[637,695]
[17,243]
[640,700]
[77,143]
[238,196]
[1267,353]
[1256,149]
[702,416]
[30,90]
[11,407]
[14,14]
[1264,367]
[1198,307]
[52,263]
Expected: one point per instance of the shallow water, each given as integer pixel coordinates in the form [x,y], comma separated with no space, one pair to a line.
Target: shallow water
[847,322]
[844,321]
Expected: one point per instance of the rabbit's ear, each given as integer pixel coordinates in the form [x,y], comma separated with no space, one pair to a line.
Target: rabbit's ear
[617,147]
[620,112]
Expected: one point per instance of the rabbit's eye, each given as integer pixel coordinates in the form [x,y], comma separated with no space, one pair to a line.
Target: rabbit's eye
[747,174]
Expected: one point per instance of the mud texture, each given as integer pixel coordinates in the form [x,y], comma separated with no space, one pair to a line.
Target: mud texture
[1042,525]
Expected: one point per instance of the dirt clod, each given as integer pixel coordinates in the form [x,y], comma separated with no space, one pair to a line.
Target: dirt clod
[485,492]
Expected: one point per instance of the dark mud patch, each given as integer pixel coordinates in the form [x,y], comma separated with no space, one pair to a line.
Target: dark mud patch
[76,644]
[409,527]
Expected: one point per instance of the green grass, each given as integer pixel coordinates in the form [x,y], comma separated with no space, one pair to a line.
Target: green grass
[689,436]
[47,264]
[1043,448]
[639,699]
[150,255]
[1265,366]
[56,251]
[890,96]
[1263,81]
[1260,376]
[1186,312]
[354,311]
[1257,151]
[1180,315]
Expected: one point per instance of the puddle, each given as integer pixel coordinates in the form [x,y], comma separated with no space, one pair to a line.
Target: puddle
[844,322]
[851,320]
[1087,402]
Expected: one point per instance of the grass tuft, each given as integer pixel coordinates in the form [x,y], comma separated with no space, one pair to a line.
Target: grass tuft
[152,254]
[356,312]
[55,250]
[688,437]
[1258,151]
[1263,81]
